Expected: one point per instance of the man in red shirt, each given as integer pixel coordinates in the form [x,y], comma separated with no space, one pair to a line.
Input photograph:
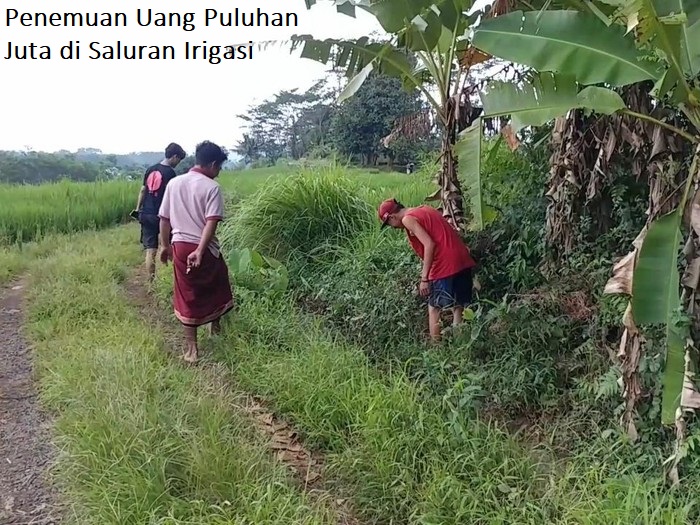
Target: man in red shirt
[446,278]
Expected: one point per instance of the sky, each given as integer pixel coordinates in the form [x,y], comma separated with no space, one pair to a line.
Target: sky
[122,106]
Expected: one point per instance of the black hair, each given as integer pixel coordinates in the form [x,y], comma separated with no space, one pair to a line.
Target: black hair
[174,149]
[207,153]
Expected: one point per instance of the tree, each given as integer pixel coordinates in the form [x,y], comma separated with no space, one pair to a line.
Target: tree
[248,148]
[185,165]
[362,121]
[431,34]
[580,55]
[289,124]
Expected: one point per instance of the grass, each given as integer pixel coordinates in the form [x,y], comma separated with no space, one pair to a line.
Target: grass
[143,439]
[376,186]
[17,258]
[146,441]
[405,456]
[299,214]
[28,213]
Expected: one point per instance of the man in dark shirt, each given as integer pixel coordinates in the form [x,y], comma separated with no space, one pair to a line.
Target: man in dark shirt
[150,198]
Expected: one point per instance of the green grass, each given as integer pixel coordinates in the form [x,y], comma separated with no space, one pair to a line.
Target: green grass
[376,186]
[30,212]
[16,258]
[143,439]
[146,441]
[407,457]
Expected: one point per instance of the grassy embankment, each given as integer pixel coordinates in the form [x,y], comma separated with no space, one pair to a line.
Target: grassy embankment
[414,447]
[145,439]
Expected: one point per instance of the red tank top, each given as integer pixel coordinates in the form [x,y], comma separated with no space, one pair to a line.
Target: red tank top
[451,255]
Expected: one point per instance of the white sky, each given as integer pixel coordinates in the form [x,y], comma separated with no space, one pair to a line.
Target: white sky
[121,106]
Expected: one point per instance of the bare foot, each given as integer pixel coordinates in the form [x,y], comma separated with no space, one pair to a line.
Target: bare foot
[214,328]
[190,356]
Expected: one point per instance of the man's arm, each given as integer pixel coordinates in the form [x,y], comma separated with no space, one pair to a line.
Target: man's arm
[207,234]
[213,214]
[165,229]
[139,202]
[428,244]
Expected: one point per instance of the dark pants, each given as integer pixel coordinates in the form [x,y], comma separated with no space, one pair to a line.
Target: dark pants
[452,291]
[150,229]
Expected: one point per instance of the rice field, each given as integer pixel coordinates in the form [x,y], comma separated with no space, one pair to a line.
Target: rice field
[28,213]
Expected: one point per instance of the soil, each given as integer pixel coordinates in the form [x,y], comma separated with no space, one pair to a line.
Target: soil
[26,452]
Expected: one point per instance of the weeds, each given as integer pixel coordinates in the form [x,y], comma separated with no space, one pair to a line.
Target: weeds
[143,440]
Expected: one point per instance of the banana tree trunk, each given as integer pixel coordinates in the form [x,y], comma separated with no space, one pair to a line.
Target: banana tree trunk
[458,116]
[452,204]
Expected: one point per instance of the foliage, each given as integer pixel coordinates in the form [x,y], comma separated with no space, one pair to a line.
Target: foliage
[289,124]
[299,215]
[361,122]
[255,272]
[431,35]
[597,49]
[84,165]
[30,212]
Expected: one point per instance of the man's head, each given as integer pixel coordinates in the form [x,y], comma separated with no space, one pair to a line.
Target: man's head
[390,213]
[174,154]
[209,157]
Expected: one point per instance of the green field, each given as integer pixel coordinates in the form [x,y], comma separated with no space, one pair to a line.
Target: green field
[409,434]
[29,213]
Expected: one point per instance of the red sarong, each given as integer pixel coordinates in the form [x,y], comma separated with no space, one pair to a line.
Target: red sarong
[204,294]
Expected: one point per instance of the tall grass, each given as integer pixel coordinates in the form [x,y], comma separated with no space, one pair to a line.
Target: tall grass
[298,215]
[30,212]
[143,439]
[374,185]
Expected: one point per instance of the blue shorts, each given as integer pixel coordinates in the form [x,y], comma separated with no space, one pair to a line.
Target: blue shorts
[452,291]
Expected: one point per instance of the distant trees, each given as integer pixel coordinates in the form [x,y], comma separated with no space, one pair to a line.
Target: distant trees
[32,167]
[290,124]
[295,125]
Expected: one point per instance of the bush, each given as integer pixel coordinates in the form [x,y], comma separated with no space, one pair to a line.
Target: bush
[369,292]
[299,216]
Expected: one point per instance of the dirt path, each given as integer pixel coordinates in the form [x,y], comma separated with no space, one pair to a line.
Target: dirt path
[26,452]
[283,441]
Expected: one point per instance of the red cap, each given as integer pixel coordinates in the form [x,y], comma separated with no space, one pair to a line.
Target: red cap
[386,208]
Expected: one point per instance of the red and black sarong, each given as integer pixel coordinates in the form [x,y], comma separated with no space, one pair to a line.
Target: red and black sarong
[204,294]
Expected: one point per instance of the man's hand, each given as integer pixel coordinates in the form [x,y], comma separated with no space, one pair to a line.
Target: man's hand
[424,288]
[194,259]
[166,255]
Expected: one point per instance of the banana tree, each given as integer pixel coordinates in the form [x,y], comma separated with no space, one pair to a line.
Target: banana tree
[610,44]
[433,36]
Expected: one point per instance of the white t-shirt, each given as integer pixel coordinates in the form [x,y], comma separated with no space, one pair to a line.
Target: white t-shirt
[190,200]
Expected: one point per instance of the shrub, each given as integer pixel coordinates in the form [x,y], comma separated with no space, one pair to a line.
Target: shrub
[299,216]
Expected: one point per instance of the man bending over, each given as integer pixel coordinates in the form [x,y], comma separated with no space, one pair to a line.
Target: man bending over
[446,277]
[192,208]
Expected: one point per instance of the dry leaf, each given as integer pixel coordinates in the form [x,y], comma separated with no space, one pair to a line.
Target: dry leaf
[471,57]
[621,280]
[511,137]
[691,276]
